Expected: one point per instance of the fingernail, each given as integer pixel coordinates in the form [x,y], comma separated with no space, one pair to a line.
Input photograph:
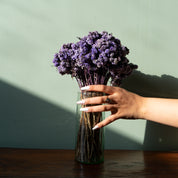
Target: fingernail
[85,88]
[95,127]
[84,109]
[81,102]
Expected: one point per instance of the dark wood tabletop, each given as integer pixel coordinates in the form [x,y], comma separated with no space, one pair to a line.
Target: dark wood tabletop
[42,163]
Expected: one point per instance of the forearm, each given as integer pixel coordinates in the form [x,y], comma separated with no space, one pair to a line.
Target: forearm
[160,110]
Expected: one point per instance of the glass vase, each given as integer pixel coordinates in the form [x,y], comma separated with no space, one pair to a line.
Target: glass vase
[89,147]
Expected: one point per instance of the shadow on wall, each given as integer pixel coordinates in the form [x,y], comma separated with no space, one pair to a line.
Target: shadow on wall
[157,136]
[165,86]
[27,121]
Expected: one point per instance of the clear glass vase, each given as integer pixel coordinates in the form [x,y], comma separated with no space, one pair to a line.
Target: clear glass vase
[89,147]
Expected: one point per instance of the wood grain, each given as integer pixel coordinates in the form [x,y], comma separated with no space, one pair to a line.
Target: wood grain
[40,163]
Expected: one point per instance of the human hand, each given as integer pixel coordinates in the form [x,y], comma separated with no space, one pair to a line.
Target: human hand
[121,103]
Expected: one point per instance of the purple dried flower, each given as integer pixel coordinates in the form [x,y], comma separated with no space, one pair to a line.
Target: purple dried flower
[94,59]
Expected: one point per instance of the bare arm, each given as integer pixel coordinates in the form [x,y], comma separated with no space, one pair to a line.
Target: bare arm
[161,110]
[125,104]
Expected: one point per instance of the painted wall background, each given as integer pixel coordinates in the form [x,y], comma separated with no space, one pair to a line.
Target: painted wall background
[37,105]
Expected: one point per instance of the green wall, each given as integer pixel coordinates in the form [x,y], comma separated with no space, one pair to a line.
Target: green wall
[37,105]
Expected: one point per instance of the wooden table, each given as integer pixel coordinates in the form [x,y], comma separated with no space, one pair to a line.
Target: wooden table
[36,163]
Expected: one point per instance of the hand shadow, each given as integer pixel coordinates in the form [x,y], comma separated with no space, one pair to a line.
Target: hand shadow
[157,136]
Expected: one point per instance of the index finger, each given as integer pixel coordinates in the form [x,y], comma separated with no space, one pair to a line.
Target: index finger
[99,88]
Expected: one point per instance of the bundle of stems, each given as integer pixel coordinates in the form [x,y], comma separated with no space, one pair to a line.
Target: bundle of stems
[90,143]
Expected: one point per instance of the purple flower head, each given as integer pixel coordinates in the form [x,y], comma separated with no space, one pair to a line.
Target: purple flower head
[94,59]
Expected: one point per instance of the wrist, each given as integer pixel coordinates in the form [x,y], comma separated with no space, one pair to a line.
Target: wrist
[142,108]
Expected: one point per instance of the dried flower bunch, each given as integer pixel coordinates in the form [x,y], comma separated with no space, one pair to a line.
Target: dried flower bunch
[94,59]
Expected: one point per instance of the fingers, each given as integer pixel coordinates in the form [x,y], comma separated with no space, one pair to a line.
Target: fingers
[99,100]
[99,108]
[105,122]
[93,100]
[100,88]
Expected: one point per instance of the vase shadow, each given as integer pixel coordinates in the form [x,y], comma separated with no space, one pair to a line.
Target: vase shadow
[157,136]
